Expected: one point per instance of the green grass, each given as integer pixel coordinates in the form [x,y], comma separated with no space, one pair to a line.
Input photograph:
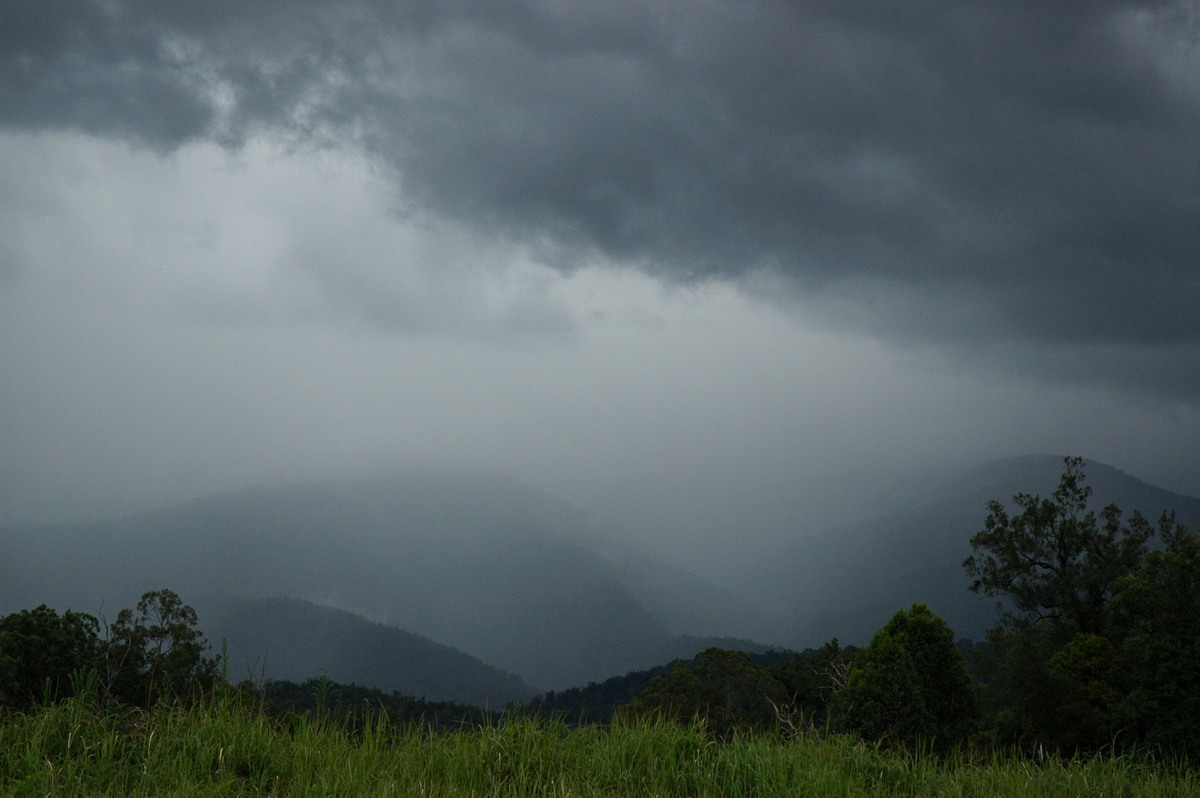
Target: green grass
[225,748]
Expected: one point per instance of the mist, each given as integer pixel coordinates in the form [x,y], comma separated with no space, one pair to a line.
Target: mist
[721,277]
[145,367]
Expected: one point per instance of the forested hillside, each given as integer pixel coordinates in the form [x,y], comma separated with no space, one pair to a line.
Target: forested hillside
[492,568]
[295,640]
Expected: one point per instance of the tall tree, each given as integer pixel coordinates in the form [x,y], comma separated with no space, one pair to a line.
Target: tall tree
[1094,648]
[1162,648]
[157,652]
[1056,560]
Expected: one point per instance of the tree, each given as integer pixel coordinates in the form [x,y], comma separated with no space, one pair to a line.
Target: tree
[810,680]
[157,653]
[725,688]
[909,685]
[45,656]
[1055,561]
[1097,647]
[1161,603]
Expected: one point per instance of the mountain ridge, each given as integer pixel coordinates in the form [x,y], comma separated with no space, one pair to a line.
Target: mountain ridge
[916,554]
[295,640]
[521,582]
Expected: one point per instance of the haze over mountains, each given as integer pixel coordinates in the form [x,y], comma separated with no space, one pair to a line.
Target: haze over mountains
[915,554]
[477,588]
[293,639]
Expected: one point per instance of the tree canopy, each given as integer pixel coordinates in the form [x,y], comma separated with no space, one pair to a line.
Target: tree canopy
[154,653]
[1056,559]
[157,652]
[1100,643]
[44,655]
[909,685]
[725,688]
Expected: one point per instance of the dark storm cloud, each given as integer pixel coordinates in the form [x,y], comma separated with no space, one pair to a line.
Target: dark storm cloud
[1024,171]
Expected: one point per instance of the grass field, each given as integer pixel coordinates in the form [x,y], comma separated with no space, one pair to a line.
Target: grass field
[225,748]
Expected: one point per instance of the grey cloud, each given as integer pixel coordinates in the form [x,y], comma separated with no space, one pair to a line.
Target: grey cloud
[426,303]
[1030,161]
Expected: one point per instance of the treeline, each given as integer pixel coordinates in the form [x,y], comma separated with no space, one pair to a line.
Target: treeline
[801,676]
[909,686]
[1098,648]
[156,654]
[354,706]
[148,654]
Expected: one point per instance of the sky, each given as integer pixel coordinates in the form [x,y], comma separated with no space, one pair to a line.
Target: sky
[711,269]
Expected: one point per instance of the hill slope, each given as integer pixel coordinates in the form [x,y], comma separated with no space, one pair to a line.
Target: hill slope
[480,563]
[291,639]
[849,581]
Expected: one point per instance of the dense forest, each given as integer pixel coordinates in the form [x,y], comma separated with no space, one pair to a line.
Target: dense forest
[1098,649]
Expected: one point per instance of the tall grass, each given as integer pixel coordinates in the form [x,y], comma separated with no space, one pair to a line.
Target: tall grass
[227,747]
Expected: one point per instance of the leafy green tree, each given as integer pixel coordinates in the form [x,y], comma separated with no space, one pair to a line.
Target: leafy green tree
[1094,649]
[157,652]
[810,679]
[725,688]
[1056,560]
[1052,692]
[594,702]
[45,656]
[909,685]
[1092,679]
[1019,697]
[680,695]
[1161,603]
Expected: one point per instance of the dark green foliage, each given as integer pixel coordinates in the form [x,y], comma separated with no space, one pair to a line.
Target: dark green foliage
[45,656]
[1055,560]
[810,680]
[1019,701]
[1053,694]
[1102,647]
[596,702]
[355,706]
[157,653]
[909,685]
[1162,650]
[679,695]
[726,689]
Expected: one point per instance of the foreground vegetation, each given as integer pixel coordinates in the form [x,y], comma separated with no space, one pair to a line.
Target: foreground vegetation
[229,746]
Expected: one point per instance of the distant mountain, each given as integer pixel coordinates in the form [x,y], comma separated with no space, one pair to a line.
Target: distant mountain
[481,563]
[513,577]
[685,603]
[295,640]
[850,581]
